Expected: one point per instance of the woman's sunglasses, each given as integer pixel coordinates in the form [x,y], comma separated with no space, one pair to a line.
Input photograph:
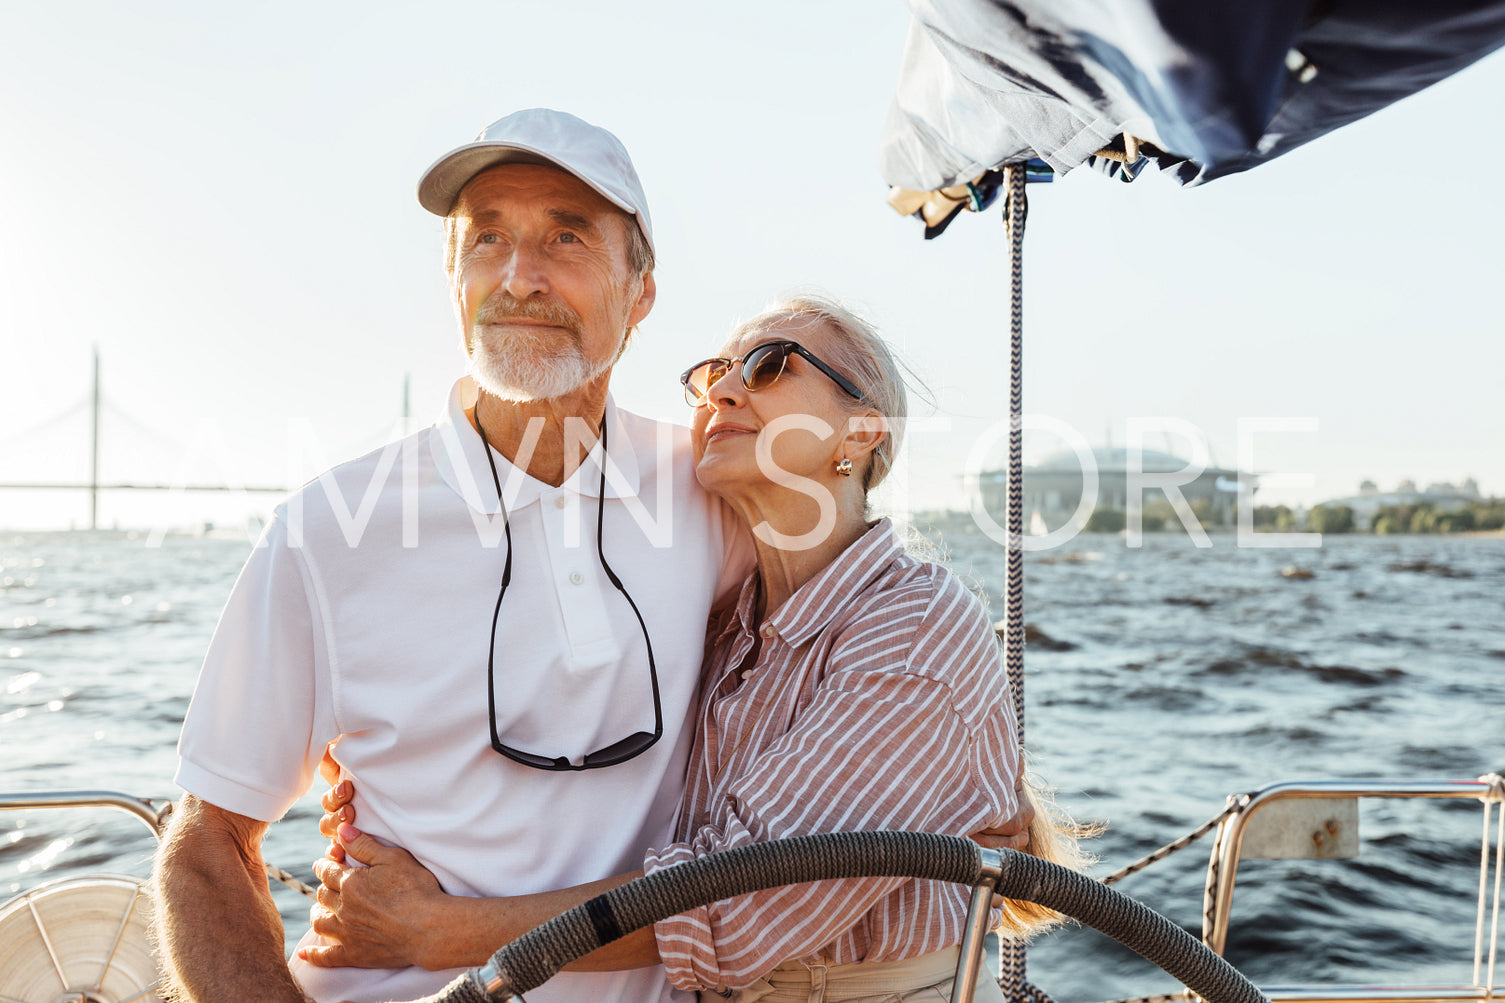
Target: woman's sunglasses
[761,368]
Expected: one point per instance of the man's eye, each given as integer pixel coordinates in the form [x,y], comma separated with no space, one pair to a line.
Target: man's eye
[487,238]
[569,238]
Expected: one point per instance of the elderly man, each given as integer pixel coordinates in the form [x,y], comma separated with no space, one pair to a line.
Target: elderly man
[513,710]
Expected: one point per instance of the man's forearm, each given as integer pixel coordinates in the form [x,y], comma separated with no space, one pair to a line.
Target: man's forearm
[219,933]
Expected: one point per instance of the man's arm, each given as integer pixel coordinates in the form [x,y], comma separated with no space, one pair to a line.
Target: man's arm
[218,932]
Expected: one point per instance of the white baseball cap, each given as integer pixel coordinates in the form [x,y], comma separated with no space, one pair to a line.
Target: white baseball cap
[540,136]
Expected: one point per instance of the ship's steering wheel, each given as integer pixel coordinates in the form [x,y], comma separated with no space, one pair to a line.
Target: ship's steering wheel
[535,957]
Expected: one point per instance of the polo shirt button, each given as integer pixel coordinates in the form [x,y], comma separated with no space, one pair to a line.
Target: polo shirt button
[576,578]
[767,630]
[561,502]
[747,673]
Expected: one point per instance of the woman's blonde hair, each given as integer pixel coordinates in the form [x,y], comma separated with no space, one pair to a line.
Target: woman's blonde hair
[858,352]
[1054,836]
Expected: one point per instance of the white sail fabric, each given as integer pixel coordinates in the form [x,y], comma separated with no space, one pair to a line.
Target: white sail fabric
[1214,89]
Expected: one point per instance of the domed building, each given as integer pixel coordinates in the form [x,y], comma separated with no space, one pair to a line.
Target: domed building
[1053,487]
[1443,496]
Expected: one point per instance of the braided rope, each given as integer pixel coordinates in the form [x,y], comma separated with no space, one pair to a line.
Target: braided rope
[1011,955]
[1236,804]
[1015,210]
[291,880]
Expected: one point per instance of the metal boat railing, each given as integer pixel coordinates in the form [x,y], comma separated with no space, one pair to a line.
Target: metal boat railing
[1234,833]
[153,812]
[1312,820]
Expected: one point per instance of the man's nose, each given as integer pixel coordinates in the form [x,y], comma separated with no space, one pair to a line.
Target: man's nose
[525,273]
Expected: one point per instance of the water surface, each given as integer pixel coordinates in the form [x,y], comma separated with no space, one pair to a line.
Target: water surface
[1162,680]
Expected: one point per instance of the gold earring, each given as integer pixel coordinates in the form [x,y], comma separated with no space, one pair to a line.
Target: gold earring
[844,468]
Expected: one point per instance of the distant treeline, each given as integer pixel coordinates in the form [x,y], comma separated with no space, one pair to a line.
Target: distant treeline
[1421,517]
[1158,516]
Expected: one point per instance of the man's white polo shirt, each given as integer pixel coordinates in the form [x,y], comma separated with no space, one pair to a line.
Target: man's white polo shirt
[363,618]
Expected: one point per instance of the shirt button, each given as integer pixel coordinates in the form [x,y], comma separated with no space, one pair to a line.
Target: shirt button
[576,578]
[767,630]
[561,502]
[747,673]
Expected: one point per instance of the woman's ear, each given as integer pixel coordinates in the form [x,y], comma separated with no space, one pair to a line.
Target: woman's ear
[864,432]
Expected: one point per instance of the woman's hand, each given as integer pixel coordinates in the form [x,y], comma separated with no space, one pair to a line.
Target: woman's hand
[1013,832]
[338,811]
[379,915]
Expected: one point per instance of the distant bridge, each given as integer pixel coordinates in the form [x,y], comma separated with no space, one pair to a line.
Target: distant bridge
[94,486]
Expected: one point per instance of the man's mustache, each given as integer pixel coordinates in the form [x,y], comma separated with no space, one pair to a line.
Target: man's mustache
[503,306]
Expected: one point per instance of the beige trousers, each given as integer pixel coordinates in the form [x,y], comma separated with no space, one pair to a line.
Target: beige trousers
[926,979]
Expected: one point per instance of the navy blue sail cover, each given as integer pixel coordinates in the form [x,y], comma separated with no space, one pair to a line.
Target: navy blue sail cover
[1203,88]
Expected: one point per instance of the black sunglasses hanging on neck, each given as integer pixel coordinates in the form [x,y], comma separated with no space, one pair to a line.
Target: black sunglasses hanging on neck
[633,745]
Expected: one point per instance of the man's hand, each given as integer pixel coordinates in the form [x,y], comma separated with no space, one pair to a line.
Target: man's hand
[378,915]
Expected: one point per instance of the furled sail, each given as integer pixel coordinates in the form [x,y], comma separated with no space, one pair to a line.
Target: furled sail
[1200,89]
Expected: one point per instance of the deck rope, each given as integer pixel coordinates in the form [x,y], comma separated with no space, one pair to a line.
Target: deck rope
[1236,804]
[1011,955]
[291,880]
[1015,209]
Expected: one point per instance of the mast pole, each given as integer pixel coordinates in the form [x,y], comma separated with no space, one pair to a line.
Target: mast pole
[94,451]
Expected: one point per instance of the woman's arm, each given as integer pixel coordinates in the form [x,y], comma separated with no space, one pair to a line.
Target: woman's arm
[882,752]
[393,913]
[909,727]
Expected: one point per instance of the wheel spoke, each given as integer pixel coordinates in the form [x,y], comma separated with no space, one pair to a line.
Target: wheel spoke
[125,920]
[143,993]
[47,942]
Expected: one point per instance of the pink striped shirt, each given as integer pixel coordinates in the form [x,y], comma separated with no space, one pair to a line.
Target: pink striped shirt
[877,701]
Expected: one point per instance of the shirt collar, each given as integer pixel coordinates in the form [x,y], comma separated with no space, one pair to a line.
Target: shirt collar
[622,472]
[815,603]
[460,457]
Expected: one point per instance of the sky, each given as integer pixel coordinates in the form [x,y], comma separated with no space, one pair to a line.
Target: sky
[220,198]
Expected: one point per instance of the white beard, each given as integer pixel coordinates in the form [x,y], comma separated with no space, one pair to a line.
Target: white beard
[523,369]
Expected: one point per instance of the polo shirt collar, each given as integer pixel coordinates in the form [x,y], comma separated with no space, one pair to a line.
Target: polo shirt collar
[622,472]
[460,458]
[815,603]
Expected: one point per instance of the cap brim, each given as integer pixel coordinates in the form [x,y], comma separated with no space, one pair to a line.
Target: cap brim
[441,183]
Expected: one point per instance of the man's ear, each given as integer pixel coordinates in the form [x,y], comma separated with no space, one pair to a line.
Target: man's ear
[644,304]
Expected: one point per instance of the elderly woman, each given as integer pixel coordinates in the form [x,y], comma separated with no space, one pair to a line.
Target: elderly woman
[850,687]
